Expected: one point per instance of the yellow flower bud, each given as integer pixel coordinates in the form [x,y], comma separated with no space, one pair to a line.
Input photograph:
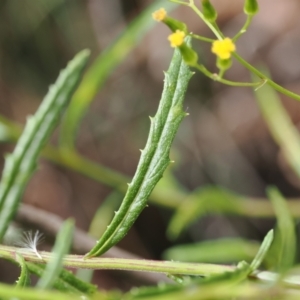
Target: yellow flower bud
[177,38]
[223,48]
[159,15]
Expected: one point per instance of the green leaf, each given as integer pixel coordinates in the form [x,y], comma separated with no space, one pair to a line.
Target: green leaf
[263,250]
[154,158]
[225,250]
[66,280]
[26,293]
[229,279]
[239,274]
[152,291]
[202,201]
[20,165]
[61,248]
[24,278]
[104,65]
[285,232]
[284,132]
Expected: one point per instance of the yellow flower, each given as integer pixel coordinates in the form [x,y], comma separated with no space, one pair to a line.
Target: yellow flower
[176,39]
[223,48]
[159,15]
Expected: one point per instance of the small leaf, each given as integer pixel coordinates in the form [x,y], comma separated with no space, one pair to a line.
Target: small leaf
[66,280]
[202,201]
[281,127]
[225,250]
[21,164]
[239,274]
[24,278]
[263,250]
[61,248]
[285,232]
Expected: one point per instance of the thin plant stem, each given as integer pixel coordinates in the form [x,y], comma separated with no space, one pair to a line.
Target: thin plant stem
[216,77]
[270,82]
[244,28]
[97,263]
[213,28]
[179,2]
[218,29]
[221,73]
[166,267]
[201,38]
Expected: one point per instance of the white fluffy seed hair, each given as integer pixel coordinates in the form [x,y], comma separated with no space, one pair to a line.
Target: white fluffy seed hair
[30,240]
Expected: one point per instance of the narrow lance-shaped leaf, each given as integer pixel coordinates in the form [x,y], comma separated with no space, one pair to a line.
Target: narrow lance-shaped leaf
[66,280]
[263,250]
[154,158]
[30,293]
[204,200]
[20,165]
[224,250]
[287,244]
[281,127]
[61,248]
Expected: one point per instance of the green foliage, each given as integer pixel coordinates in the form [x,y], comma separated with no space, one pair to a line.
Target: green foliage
[20,165]
[199,203]
[198,280]
[286,247]
[66,281]
[24,278]
[154,158]
[280,125]
[225,250]
[61,248]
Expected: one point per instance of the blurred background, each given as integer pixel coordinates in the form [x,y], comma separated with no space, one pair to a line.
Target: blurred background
[224,141]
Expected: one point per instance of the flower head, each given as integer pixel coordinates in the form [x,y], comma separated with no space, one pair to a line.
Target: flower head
[177,38]
[159,15]
[223,48]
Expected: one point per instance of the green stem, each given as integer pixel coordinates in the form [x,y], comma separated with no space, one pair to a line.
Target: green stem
[221,73]
[75,162]
[270,82]
[244,28]
[201,38]
[216,77]
[212,27]
[167,267]
[218,29]
[179,2]
[78,261]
